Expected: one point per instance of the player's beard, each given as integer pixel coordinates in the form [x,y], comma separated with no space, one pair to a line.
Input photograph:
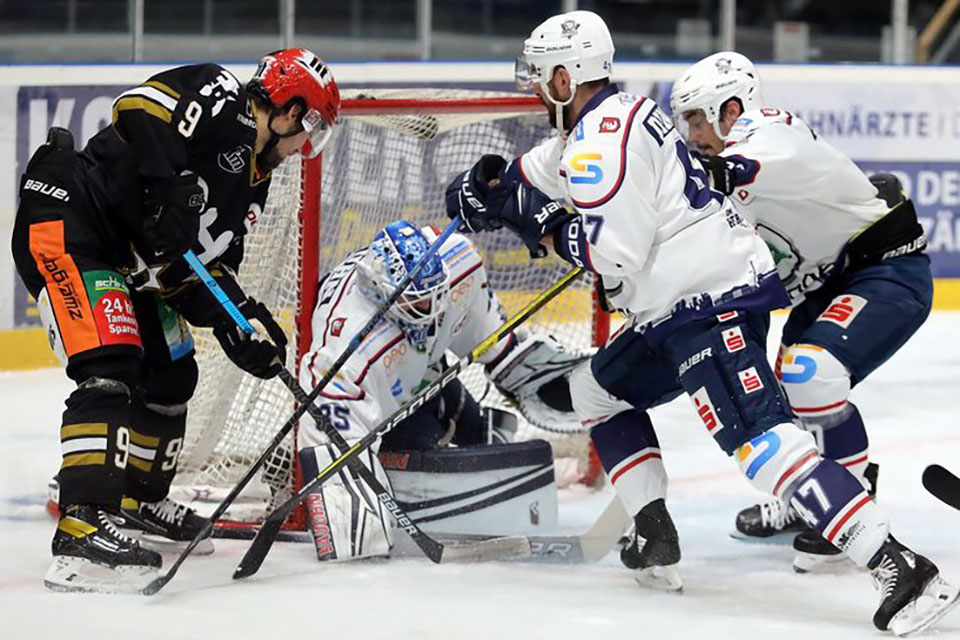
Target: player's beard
[552,114]
[269,159]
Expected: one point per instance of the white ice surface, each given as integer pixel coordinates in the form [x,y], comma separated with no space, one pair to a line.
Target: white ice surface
[732,589]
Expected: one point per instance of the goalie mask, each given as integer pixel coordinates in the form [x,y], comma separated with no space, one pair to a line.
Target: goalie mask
[392,255]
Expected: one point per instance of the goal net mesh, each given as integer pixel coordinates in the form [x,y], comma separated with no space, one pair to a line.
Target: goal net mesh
[391,157]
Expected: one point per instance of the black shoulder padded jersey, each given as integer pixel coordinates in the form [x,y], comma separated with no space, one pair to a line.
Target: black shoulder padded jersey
[196,118]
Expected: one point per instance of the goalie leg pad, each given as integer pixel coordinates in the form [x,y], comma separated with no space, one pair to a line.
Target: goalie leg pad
[345,516]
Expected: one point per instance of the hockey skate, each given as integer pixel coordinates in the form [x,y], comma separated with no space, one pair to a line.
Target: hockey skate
[165,524]
[912,594]
[766,520]
[815,554]
[652,548]
[90,554]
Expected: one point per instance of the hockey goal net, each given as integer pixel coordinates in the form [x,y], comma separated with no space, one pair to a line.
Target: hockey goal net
[390,158]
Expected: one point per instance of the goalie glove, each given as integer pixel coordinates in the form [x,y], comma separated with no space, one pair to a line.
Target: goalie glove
[535,375]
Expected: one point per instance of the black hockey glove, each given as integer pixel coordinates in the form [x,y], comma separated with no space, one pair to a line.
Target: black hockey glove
[174,227]
[720,172]
[469,192]
[531,215]
[260,358]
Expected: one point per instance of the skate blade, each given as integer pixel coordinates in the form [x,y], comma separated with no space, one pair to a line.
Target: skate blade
[665,578]
[822,564]
[79,575]
[937,599]
[166,545]
[782,538]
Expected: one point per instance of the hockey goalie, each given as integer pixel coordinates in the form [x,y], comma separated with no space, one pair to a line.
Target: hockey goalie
[449,306]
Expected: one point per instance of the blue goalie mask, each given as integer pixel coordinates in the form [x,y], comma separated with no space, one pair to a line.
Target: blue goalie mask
[392,255]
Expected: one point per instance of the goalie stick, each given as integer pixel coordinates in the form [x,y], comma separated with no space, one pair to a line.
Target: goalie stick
[584,548]
[191,258]
[255,555]
[430,547]
[942,484]
[435,550]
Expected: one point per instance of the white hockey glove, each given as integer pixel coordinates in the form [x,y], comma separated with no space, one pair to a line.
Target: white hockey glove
[535,375]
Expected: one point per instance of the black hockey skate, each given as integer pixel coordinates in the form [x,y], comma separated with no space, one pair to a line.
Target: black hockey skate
[815,553]
[652,548]
[912,594]
[767,519]
[160,524]
[90,554]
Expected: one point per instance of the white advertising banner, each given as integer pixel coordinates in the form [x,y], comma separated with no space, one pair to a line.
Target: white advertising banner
[904,120]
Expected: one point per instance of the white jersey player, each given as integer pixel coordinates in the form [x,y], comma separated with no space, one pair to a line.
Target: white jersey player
[696,283]
[851,260]
[448,307]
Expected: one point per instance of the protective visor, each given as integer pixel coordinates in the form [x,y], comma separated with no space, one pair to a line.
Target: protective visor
[318,133]
[525,73]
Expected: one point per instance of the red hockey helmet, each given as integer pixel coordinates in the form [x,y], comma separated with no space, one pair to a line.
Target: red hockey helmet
[299,75]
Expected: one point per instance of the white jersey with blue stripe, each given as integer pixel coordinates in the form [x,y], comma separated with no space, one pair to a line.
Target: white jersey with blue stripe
[806,199]
[387,369]
[670,249]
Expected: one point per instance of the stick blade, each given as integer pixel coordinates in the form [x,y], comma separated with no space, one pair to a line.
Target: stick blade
[156,584]
[503,548]
[259,548]
[943,484]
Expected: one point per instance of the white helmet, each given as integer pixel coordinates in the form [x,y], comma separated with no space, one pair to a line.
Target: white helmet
[708,84]
[579,41]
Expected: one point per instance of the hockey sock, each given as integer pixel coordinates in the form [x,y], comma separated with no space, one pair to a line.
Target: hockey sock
[845,440]
[156,439]
[834,503]
[630,454]
[95,446]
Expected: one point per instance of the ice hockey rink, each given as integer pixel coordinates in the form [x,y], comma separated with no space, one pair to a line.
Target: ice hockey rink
[732,589]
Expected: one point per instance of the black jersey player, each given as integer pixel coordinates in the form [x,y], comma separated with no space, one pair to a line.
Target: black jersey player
[98,239]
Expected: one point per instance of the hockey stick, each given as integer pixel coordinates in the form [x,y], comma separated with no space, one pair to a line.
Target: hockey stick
[435,550]
[942,484]
[251,561]
[588,547]
[430,547]
[201,271]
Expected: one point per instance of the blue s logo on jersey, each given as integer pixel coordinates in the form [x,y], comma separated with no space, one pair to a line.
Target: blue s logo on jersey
[587,165]
[396,390]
